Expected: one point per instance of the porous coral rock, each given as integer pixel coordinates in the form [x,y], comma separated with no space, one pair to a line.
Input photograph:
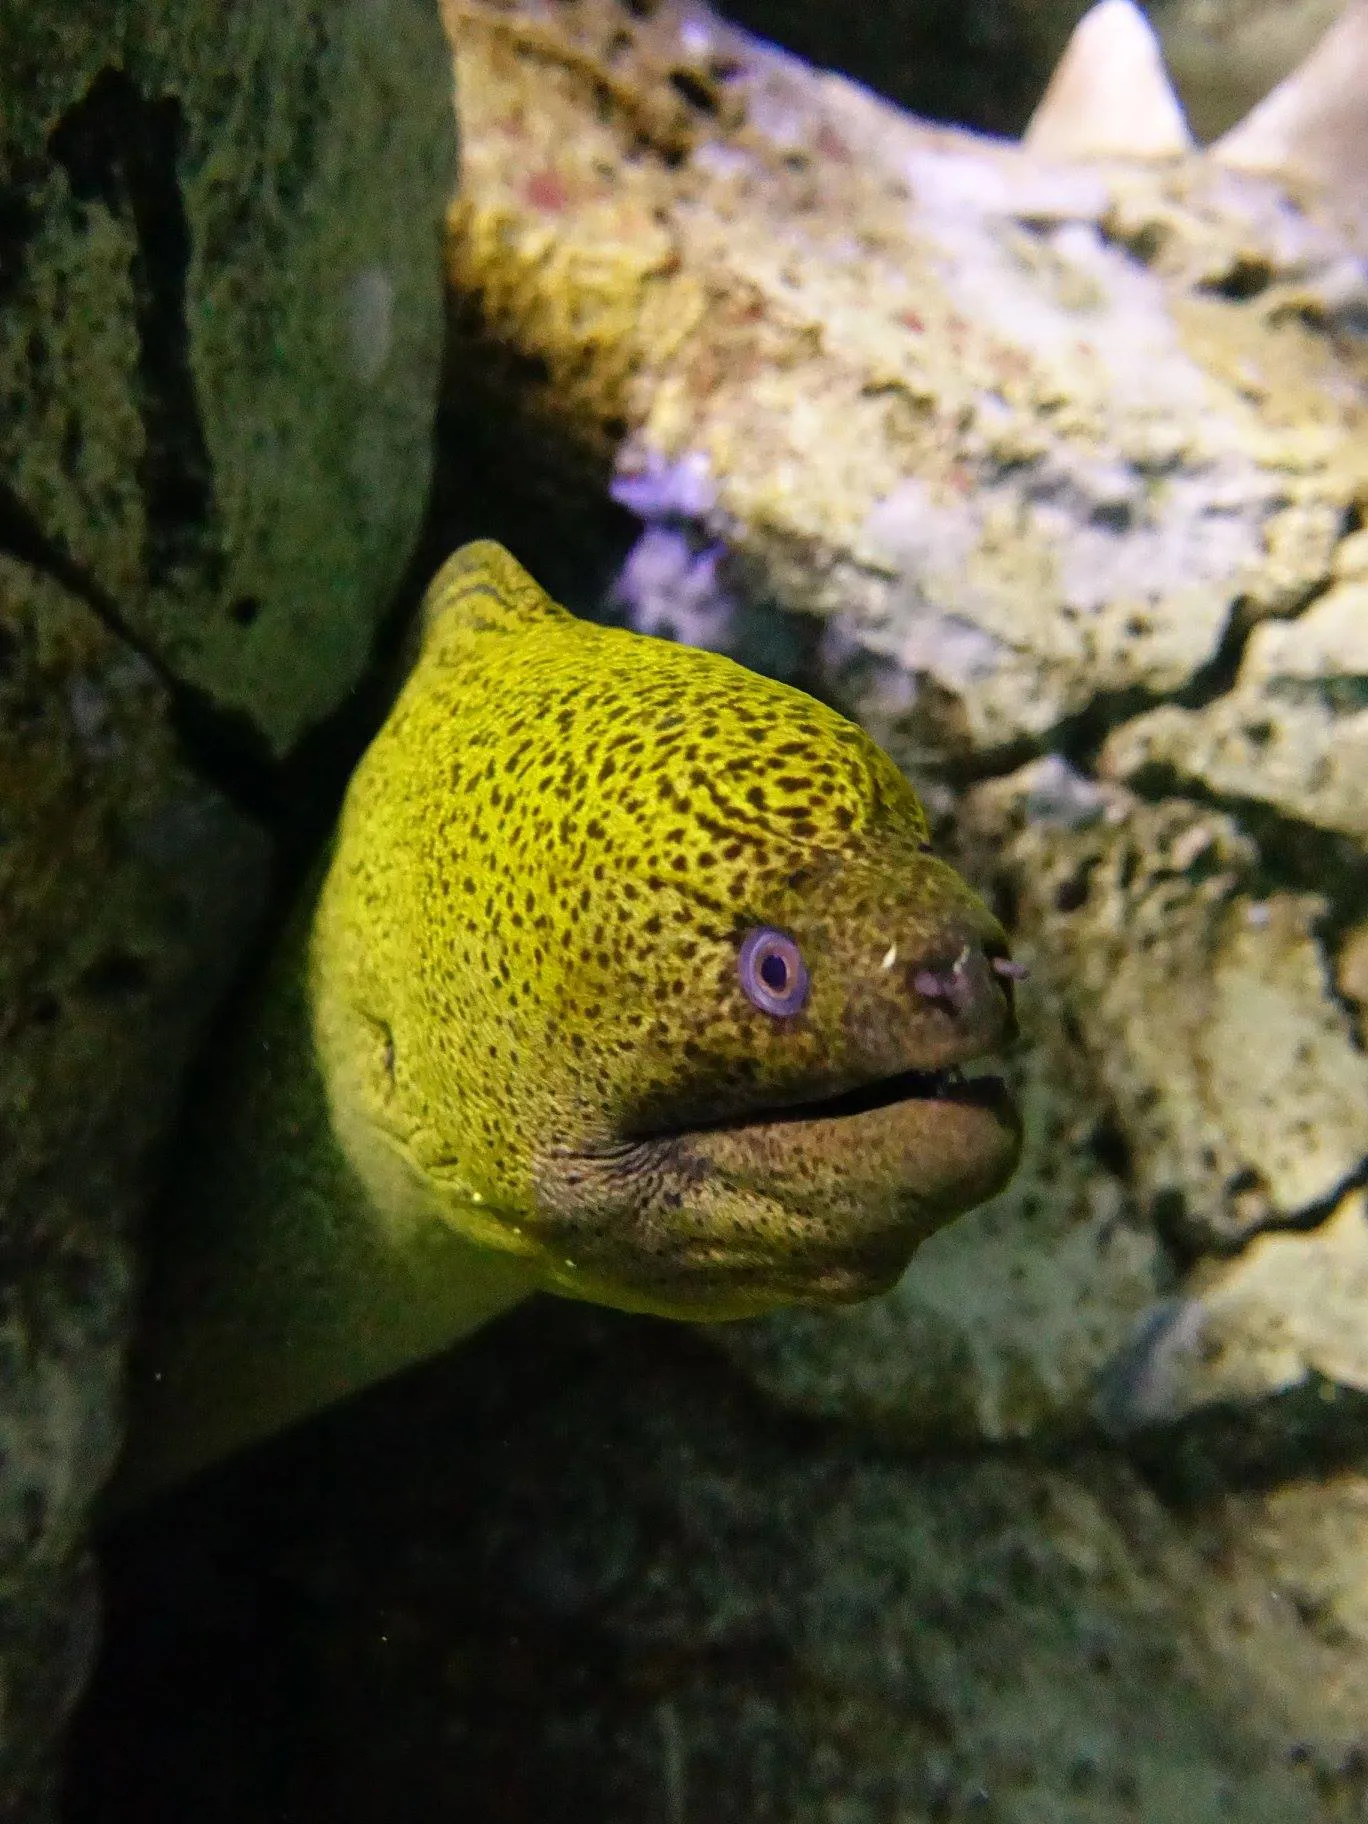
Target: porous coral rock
[1205,1002]
[1033,430]
[1289,1306]
[1291,733]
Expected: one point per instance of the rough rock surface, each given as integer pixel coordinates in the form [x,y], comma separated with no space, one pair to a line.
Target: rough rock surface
[219,344]
[1291,733]
[1062,470]
[219,337]
[125,886]
[623,1592]
[1062,457]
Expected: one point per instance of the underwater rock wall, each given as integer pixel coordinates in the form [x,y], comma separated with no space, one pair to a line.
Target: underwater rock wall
[218,363]
[1062,465]
[1068,460]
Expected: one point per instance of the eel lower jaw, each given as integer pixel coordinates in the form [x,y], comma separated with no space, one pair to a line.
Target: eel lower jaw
[818,1203]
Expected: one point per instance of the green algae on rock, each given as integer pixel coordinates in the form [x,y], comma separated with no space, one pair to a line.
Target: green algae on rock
[221,339]
[631,970]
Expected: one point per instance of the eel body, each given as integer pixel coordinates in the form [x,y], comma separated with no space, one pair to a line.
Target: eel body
[631,976]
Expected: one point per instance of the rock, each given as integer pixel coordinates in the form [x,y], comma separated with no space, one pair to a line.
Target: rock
[1110,94]
[1313,127]
[979,63]
[220,336]
[1291,1305]
[801,1629]
[1352,975]
[1291,733]
[656,1599]
[126,889]
[1034,433]
[1226,55]
[219,345]
[1205,1003]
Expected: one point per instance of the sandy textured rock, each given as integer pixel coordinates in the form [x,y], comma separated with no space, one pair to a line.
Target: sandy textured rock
[1281,1597]
[126,885]
[1205,1003]
[1292,733]
[1033,430]
[220,336]
[1290,1306]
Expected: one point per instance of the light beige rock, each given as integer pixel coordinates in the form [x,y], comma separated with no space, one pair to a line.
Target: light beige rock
[1289,1306]
[1031,431]
[1351,975]
[1110,95]
[1205,1004]
[1292,733]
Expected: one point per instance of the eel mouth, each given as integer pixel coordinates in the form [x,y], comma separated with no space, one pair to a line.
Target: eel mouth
[977,1086]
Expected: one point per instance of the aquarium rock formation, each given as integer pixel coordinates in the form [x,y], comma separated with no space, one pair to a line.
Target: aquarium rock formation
[1046,461]
[219,345]
[1058,461]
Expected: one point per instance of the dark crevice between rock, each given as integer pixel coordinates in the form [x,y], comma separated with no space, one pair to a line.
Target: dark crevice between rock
[221,745]
[19,221]
[1190,1242]
[1080,736]
[1315,1429]
[23,539]
[1294,854]
[121,148]
[1307,1221]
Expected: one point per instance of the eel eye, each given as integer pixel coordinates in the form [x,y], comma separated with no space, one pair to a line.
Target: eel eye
[773,973]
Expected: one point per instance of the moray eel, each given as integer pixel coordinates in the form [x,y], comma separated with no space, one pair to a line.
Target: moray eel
[632,976]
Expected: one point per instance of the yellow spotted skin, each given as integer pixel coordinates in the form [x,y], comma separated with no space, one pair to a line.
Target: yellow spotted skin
[520,1051]
[525,956]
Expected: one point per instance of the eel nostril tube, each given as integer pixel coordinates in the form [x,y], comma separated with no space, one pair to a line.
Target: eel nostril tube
[951,985]
[955,984]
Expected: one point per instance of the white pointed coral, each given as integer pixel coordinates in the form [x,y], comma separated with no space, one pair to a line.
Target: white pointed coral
[1110,95]
[1314,124]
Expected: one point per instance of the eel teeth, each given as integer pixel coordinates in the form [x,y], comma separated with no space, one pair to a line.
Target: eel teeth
[1110,94]
[1314,124]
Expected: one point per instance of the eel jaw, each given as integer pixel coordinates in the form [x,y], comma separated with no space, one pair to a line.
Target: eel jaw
[812,1203]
